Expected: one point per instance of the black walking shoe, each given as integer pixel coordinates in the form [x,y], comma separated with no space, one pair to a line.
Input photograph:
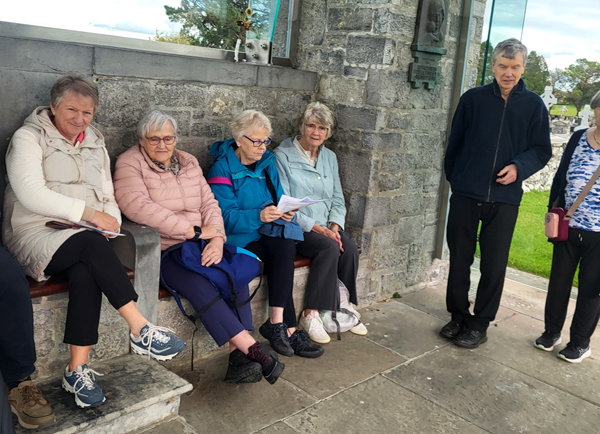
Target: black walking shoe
[450,330]
[469,338]
[242,370]
[547,341]
[272,368]
[277,336]
[574,353]
[303,346]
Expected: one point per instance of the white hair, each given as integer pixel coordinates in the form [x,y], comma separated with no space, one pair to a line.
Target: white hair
[155,121]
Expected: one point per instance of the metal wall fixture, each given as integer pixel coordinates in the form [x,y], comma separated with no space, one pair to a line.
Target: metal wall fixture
[258,51]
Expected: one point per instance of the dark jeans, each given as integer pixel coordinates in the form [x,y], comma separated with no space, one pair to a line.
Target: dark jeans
[497,226]
[583,248]
[322,290]
[93,269]
[6,424]
[278,256]
[17,348]
[220,320]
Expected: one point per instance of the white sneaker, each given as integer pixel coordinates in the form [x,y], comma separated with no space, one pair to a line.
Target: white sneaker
[359,329]
[313,325]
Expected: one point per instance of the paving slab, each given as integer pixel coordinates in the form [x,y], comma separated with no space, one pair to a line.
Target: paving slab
[345,363]
[431,299]
[218,407]
[175,426]
[403,329]
[495,397]
[512,346]
[527,299]
[378,405]
[278,428]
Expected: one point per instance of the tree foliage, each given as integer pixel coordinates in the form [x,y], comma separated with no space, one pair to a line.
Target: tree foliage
[582,80]
[536,76]
[489,75]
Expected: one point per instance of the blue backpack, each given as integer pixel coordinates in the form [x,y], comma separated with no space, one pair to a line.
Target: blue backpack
[235,271]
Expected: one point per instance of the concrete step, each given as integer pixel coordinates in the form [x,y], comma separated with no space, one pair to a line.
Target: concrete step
[139,392]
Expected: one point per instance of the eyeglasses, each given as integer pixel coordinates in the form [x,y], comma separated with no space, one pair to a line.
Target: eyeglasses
[154,141]
[257,143]
[319,128]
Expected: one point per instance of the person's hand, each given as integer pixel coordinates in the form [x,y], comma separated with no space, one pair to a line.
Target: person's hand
[211,231]
[335,236]
[335,228]
[269,214]
[105,222]
[288,216]
[213,252]
[508,175]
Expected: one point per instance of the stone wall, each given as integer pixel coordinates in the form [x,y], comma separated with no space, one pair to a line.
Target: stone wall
[542,180]
[390,138]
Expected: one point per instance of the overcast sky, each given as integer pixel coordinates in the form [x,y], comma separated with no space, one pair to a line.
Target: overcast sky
[561,30]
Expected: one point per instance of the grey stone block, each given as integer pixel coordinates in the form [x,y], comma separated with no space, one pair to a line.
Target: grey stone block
[207,129]
[350,18]
[390,181]
[325,61]
[413,181]
[407,204]
[431,182]
[377,212]
[382,141]
[396,257]
[409,229]
[385,88]
[394,161]
[399,120]
[356,72]
[341,90]
[123,102]
[263,100]
[173,94]
[312,28]
[286,78]
[395,22]
[291,104]
[357,117]
[224,101]
[370,50]
[358,169]
[356,210]
[45,56]
[124,63]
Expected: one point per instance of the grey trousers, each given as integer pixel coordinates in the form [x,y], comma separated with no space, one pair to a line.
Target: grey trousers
[6,424]
[327,264]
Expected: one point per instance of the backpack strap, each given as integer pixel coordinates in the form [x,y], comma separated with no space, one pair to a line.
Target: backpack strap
[271,187]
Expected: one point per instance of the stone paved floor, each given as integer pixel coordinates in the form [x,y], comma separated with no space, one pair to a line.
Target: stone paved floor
[404,378]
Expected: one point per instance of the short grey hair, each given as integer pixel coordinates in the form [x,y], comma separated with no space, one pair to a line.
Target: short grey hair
[509,49]
[595,102]
[320,113]
[246,122]
[74,83]
[155,121]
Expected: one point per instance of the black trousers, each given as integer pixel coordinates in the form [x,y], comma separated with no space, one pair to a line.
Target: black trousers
[278,256]
[497,227]
[93,269]
[583,248]
[322,291]
[6,424]
[17,347]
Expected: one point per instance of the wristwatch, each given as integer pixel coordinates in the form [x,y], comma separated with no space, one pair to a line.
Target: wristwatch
[198,231]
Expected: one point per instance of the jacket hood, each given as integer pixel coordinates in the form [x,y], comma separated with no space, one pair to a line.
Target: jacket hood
[218,150]
[40,119]
[225,150]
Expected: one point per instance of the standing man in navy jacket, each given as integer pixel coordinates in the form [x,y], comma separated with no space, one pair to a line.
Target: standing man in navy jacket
[500,136]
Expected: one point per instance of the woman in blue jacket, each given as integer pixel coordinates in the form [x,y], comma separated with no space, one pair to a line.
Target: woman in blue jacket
[308,168]
[240,181]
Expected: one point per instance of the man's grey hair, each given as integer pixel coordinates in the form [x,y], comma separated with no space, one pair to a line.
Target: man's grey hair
[246,122]
[319,113]
[74,83]
[155,121]
[595,102]
[509,49]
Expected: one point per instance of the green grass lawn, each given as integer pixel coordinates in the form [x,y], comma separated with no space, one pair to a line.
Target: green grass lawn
[555,110]
[530,250]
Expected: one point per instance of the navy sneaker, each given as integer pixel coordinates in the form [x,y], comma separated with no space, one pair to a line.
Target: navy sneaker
[82,383]
[241,369]
[277,336]
[574,353]
[303,346]
[156,342]
[547,341]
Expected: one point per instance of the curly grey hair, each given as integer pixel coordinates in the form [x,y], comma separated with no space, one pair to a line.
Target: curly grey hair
[74,83]
[319,113]
[509,49]
[247,121]
[155,121]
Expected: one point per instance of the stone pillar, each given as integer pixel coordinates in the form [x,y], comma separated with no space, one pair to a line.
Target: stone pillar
[389,138]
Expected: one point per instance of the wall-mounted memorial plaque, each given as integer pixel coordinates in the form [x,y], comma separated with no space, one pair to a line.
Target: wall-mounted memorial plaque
[428,46]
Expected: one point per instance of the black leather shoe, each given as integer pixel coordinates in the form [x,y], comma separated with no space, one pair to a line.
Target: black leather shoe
[242,370]
[277,336]
[450,330]
[468,338]
[303,346]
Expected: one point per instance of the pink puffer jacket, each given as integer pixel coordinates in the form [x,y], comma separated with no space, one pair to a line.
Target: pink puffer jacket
[154,197]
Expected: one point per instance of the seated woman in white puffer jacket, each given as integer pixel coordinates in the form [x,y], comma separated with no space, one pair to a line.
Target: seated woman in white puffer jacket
[58,170]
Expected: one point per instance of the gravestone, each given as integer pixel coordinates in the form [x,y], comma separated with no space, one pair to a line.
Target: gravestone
[560,127]
[548,98]
[563,110]
[585,117]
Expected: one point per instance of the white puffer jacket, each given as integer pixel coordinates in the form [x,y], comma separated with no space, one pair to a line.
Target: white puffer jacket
[50,179]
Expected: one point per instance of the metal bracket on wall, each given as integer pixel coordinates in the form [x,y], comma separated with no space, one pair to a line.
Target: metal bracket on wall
[258,51]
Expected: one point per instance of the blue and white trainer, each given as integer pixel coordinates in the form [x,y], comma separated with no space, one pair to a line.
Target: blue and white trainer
[82,383]
[157,342]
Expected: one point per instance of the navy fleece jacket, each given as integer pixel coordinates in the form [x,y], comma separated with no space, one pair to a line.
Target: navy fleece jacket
[489,133]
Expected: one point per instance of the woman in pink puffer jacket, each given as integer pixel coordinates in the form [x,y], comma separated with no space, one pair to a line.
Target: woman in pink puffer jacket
[159,186]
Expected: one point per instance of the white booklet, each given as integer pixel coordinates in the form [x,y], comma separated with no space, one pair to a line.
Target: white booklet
[288,203]
[94,228]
